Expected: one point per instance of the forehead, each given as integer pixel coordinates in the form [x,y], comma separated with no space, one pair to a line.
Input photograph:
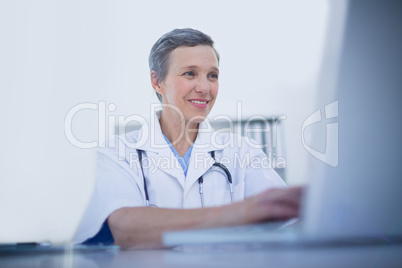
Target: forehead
[202,56]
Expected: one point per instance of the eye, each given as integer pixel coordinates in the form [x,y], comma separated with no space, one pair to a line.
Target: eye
[214,75]
[189,73]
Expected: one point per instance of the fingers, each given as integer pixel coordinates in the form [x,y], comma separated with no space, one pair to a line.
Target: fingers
[272,212]
[279,212]
[278,204]
[290,196]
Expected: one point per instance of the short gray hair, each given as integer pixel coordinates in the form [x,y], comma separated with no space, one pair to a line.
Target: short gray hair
[160,52]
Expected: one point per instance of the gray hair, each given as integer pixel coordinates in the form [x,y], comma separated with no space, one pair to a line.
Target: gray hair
[160,52]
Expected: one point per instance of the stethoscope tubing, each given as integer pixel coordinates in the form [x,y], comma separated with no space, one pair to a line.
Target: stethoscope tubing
[139,152]
[200,179]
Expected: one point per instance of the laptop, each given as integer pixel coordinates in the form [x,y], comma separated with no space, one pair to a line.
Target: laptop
[354,190]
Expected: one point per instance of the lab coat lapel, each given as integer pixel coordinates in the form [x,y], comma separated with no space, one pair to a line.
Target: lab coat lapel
[201,160]
[162,157]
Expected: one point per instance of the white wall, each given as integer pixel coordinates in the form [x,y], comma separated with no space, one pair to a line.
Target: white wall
[57,54]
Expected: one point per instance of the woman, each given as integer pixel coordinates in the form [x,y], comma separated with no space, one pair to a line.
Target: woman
[139,194]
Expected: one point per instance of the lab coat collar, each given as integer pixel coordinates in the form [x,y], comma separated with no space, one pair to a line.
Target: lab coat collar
[150,137]
[151,140]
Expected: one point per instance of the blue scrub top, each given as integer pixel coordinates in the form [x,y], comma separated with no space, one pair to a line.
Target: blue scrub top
[183,161]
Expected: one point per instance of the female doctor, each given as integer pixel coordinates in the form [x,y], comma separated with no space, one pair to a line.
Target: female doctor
[176,173]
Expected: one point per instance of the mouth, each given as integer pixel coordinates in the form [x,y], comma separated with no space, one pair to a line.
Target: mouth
[199,101]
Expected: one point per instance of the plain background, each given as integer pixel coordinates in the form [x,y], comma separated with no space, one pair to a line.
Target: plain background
[276,56]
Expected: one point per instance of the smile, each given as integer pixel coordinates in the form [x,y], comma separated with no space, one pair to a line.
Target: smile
[199,102]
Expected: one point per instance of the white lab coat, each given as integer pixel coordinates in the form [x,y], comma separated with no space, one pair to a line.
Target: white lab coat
[120,183]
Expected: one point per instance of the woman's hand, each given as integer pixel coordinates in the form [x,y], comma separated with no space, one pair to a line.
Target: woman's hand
[273,204]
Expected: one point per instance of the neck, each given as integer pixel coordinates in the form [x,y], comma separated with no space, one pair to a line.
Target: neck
[178,131]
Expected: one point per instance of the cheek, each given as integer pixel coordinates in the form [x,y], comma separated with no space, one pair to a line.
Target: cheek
[215,89]
[183,88]
[174,92]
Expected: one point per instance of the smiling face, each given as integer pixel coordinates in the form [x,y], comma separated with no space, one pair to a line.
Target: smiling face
[191,83]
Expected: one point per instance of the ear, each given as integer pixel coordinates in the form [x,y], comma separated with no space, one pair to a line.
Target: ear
[157,86]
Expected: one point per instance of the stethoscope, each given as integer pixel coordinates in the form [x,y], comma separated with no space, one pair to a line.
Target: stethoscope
[200,180]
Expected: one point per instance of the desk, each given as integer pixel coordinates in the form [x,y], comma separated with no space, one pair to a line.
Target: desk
[229,256]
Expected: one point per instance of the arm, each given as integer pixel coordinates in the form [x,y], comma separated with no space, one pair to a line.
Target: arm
[142,227]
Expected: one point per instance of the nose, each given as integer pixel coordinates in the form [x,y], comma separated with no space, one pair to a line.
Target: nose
[203,86]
